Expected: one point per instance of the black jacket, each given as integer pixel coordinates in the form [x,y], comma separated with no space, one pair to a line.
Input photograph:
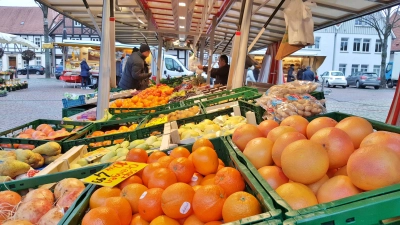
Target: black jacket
[308,75]
[290,76]
[220,74]
[134,75]
[300,74]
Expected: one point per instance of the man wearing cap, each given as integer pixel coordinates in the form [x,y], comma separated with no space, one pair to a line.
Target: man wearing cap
[308,75]
[134,75]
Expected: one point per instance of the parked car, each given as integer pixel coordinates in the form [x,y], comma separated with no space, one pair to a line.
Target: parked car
[32,70]
[59,70]
[334,78]
[363,79]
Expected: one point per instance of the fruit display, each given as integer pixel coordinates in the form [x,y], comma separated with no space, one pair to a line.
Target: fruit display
[150,97]
[150,141]
[308,163]
[39,206]
[178,114]
[121,129]
[183,187]
[181,95]
[21,163]
[282,101]
[220,126]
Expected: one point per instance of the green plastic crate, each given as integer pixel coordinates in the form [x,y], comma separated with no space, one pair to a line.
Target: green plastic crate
[228,156]
[9,136]
[219,95]
[320,209]
[67,112]
[318,95]
[245,88]
[250,105]
[144,111]
[249,95]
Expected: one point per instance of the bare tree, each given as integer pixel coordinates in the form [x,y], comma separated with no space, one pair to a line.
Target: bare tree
[383,22]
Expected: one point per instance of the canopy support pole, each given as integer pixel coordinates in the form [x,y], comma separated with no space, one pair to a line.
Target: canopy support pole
[234,59]
[92,17]
[244,30]
[210,51]
[113,74]
[159,58]
[265,26]
[202,44]
[105,64]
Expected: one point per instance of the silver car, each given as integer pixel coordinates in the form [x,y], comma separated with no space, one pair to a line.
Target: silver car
[334,78]
[363,79]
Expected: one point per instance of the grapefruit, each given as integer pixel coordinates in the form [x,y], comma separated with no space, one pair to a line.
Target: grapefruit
[337,187]
[297,195]
[383,138]
[281,143]
[245,133]
[266,126]
[357,128]
[315,186]
[319,123]
[297,122]
[259,152]
[278,131]
[273,175]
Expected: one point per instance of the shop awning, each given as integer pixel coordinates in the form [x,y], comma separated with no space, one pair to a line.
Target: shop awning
[92,44]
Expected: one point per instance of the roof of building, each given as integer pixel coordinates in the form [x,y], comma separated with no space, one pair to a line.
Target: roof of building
[21,20]
[396,30]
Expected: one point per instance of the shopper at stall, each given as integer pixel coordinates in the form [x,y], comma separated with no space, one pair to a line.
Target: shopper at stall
[250,75]
[308,75]
[300,72]
[290,76]
[134,76]
[221,73]
[85,75]
[256,72]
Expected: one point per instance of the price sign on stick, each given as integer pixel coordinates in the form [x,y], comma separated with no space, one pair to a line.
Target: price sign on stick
[115,173]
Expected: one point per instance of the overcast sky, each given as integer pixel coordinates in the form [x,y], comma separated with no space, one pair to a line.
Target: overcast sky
[17,3]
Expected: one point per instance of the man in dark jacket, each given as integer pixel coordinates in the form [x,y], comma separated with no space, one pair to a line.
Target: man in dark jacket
[308,75]
[290,76]
[85,75]
[221,73]
[300,73]
[134,76]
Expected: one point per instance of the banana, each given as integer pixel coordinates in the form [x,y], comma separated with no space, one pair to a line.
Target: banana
[105,117]
[109,115]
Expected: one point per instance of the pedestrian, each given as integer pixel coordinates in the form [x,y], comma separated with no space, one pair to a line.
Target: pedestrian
[308,75]
[290,76]
[300,72]
[134,75]
[221,73]
[256,72]
[85,74]
[250,75]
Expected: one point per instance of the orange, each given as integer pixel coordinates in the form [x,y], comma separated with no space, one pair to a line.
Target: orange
[123,207]
[8,201]
[131,180]
[97,133]
[337,187]
[357,128]
[297,195]
[373,167]
[137,155]
[165,161]
[149,170]
[176,201]
[193,220]
[214,223]
[209,179]
[230,180]
[123,128]
[266,126]
[150,204]
[319,123]
[208,202]
[202,142]
[273,175]
[164,220]
[183,169]
[196,179]
[240,205]
[298,122]
[245,133]
[118,102]
[196,187]
[259,152]
[137,220]
[337,143]
[155,156]
[281,143]
[305,161]
[132,193]
[315,186]
[100,195]
[278,131]
[179,152]
[205,160]
[101,215]
[162,178]
[383,138]
[221,163]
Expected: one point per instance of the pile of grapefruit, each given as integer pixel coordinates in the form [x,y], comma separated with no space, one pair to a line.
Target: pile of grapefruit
[324,160]
[181,188]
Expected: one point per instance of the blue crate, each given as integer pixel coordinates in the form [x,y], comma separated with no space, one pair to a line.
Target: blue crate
[68,103]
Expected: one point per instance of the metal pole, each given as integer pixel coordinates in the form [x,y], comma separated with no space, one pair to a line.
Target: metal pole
[202,44]
[334,49]
[245,28]
[234,58]
[210,51]
[159,58]
[105,64]
[113,74]
[92,17]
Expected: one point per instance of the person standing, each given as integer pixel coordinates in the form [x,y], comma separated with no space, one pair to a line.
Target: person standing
[85,75]
[134,75]
[308,75]
[256,72]
[250,75]
[290,76]
[300,72]
[221,73]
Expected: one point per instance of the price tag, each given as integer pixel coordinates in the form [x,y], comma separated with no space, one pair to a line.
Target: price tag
[157,121]
[90,156]
[115,173]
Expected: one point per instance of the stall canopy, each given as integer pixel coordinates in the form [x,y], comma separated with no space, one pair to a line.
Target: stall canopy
[185,20]
[93,44]
[14,39]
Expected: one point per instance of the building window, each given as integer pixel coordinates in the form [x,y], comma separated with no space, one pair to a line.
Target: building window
[76,39]
[354,68]
[364,68]
[342,68]
[38,41]
[360,21]
[38,61]
[95,39]
[365,46]
[343,44]
[357,44]
[378,46]
[377,69]
[316,43]
[77,24]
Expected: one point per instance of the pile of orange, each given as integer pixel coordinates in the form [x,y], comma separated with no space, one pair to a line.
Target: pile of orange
[150,97]
[101,133]
[308,163]
[180,189]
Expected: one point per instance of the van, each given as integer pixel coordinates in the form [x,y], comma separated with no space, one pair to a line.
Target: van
[171,66]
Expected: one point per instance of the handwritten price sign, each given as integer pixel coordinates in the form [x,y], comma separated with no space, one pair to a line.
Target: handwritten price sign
[157,121]
[115,173]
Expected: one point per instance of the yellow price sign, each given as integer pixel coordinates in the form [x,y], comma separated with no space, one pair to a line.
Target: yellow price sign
[157,121]
[90,156]
[115,173]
